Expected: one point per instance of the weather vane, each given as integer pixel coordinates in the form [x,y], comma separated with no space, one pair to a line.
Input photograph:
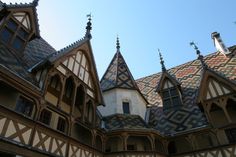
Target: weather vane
[89,16]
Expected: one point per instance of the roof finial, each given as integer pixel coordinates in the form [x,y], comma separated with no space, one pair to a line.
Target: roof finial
[200,57]
[117,44]
[35,2]
[162,61]
[89,26]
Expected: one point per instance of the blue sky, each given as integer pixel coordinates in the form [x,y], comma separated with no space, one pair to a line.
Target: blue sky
[142,26]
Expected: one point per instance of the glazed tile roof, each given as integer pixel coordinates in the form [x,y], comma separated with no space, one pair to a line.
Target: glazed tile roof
[35,51]
[189,75]
[118,75]
[124,121]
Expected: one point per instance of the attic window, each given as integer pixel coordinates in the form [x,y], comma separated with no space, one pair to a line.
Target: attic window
[14,35]
[170,96]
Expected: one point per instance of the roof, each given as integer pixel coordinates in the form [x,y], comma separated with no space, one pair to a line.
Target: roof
[124,121]
[189,75]
[35,51]
[118,75]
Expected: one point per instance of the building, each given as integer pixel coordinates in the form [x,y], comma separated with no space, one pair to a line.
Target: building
[53,104]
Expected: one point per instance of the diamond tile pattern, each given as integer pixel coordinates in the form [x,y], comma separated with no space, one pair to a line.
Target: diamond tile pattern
[189,75]
[118,75]
[124,121]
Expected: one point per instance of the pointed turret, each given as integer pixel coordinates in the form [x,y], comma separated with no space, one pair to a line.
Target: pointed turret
[120,91]
[118,74]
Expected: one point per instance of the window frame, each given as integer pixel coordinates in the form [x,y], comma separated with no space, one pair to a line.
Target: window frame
[15,34]
[171,94]
[61,124]
[126,107]
[45,120]
[21,107]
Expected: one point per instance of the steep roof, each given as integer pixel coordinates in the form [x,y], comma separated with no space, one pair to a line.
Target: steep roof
[189,75]
[118,74]
[35,51]
[124,121]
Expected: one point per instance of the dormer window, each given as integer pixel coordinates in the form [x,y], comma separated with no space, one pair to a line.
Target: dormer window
[170,96]
[15,33]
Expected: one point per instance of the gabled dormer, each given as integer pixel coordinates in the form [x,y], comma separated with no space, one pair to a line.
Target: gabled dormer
[216,95]
[169,89]
[18,25]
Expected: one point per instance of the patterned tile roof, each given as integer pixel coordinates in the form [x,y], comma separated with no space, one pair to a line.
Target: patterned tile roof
[124,121]
[118,75]
[189,75]
[36,51]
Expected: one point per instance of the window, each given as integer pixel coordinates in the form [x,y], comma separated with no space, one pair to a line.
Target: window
[69,88]
[55,83]
[231,134]
[14,34]
[61,124]
[171,98]
[24,106]
[126,109]
[45,117]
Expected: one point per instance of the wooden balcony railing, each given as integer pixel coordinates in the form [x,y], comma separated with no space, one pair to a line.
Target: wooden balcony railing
[31,135]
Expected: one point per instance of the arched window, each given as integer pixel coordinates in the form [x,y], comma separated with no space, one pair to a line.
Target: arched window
[68,90]
[231,109]
[54,86]
[98,143]
[79,102]
[45,117]
[114,144]
[82,134]
[170,96]
[89,112]
[218,116]
[138,143]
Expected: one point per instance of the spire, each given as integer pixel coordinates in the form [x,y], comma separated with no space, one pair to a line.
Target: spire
[89,26]
[117,44]
[118,74]
[162,61]
[200,57]
[35,2]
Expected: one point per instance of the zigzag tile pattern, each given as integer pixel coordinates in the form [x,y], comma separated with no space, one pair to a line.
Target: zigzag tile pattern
[189,75]
[118,75]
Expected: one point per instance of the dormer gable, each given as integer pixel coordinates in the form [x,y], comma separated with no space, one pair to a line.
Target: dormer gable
[18,25]
[79,63]
[214,85]
[170,91]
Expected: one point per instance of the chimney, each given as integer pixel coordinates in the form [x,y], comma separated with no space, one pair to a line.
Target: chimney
[219,44]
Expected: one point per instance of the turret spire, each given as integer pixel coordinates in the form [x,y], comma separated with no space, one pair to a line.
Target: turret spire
[200,57]
[162,61]
[117,44]
[89,26]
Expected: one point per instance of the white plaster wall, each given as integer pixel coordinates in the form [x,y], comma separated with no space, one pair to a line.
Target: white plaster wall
[114,99]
